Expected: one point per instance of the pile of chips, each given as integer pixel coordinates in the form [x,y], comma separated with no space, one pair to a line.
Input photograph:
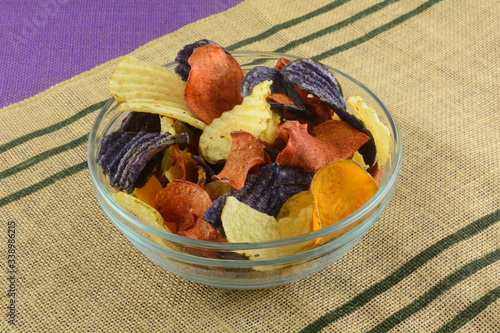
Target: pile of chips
[212,153]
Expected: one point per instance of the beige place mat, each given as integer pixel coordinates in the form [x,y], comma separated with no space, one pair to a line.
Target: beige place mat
[430,262]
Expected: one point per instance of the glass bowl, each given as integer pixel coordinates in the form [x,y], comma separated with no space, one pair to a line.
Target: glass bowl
[214,263]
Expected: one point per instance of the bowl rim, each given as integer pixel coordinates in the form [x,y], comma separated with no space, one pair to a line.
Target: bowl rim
[372,204]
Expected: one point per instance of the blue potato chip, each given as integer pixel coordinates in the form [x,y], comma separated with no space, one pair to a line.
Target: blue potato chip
[141,122]
[291,112]
[131,158]
[126,158]
[183,68]
[293,181]
[110,147]
[261,192]
[112,150]
[314,78]
[260,74]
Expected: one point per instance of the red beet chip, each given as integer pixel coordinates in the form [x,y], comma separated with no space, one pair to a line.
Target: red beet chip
[311,153]
[246,152]
[214,82]
[182,202]
[202,230]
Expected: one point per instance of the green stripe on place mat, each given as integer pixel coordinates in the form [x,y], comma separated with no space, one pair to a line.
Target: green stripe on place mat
[271,31]
[470,312]
[52,128]
[376,32]
[336,26]
[43,156]
[404,271]
[436,291]
[43,184]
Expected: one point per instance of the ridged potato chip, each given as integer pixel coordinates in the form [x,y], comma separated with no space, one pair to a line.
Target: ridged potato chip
[142,87]
[380,132]
[254,115]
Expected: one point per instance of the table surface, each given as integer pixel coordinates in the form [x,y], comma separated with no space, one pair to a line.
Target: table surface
[430,263]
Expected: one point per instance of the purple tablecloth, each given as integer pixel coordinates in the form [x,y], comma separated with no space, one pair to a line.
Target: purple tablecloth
[48,41]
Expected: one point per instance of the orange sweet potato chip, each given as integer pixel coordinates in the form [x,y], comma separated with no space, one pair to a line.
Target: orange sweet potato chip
[311,153]
[338,190]
[213,85]
[147,193]
[246,152]
[182,202]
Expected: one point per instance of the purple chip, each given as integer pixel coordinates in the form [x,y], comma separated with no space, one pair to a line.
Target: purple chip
[293,181]
[314,78]
[141,122]
[131,158]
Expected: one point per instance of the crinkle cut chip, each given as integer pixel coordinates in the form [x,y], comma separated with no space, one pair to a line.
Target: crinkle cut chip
[183,68]
[138,161]
[260,74]
[130,159]
[314,78]
[261,192]
[141,122]
[111,148]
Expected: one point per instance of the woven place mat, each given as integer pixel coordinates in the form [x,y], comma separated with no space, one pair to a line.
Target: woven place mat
[431,262]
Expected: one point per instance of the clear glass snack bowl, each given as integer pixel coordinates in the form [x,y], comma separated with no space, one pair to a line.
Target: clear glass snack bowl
[201,261]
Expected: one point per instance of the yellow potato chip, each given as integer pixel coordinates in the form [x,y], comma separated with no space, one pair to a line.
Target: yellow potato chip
[254,115]
[139,86]
[140,209]
[380,132]
[134,79]
[243,224]
[167,125]
[164,110]
[296,216]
